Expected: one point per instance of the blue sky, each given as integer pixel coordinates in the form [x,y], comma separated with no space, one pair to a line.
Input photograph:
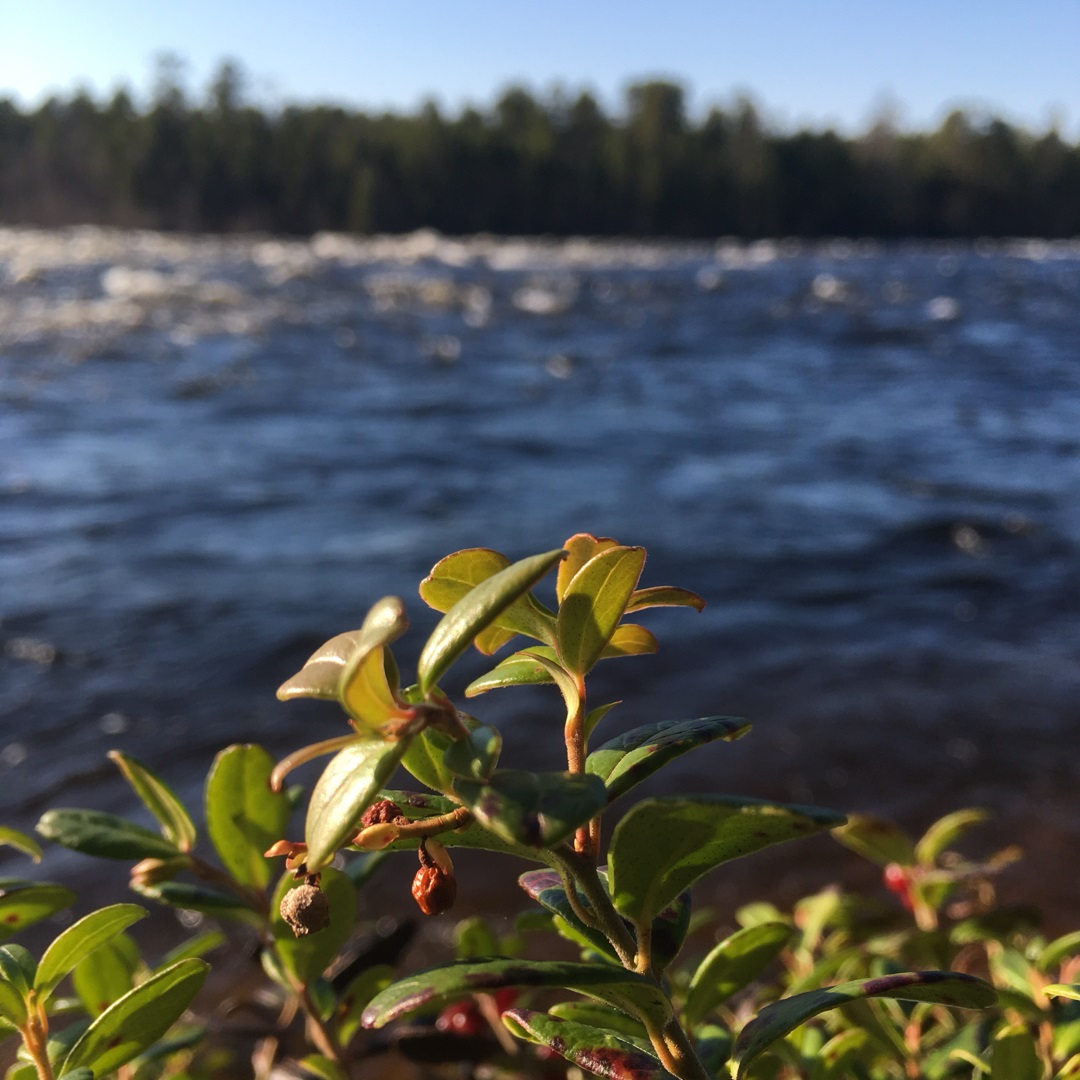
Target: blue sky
[817,62]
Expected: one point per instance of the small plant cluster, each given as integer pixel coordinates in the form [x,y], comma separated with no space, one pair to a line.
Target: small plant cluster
[841,986]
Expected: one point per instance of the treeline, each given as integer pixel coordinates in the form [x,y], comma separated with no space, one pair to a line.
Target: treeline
[525,165]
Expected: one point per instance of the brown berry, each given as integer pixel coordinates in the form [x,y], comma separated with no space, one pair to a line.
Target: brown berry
[434,890]
[305,909]
[380,812]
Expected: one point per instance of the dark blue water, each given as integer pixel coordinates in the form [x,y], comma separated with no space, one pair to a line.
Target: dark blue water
[216,454]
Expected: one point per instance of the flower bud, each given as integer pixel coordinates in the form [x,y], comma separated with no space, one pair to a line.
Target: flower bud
[305,909]
[376,837]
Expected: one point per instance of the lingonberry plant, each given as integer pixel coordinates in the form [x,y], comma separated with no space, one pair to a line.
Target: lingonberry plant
[630,917]
[644,1004]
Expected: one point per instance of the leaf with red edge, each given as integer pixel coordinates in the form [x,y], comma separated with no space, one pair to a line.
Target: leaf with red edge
[596,1050]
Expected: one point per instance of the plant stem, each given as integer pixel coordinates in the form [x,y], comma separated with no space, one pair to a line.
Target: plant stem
[432,826]
[605,918]
[324,1039]
[35,1036]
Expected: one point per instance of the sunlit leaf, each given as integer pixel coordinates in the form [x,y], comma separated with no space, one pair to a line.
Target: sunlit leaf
[776,1020]
[105,836]
[106,974]
[946,831]
[534,809]
[628,759]
[137,1020]
[348,785]
[598,1014]
[23,903]
[664,596]
[580,548]
[602,1053]
[308,957]
[243,815]
[365,692]
[629,639]
[662,846]
[1063,990]
[159,799]
[477,609]
[876,839]
[322,1067]
[79,940]
[596,715]
[1058,950]
[20,841]
[594,602]
[438,986]
[323,671]
[519,669]
[453,577]
[734,963]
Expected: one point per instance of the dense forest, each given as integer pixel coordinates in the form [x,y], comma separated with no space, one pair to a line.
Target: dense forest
[559,165]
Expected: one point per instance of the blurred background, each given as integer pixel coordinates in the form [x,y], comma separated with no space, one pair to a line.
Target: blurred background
[292,305]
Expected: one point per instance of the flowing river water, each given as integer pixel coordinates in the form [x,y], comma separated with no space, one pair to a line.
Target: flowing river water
[217,452]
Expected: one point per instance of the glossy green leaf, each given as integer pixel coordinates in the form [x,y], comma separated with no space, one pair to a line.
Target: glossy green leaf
[438,986]
[106,974]
[876,839]
[106,836]
[306,958]
[1064,990]
[533,809]
[477,609]
[597,1014]
[580,548]
[733,964]
[243,816]
[137,1020]
[20,841]
[419,805]
[629,639]
[188,897]
[323,671]
[628,759]
[946,831]
[12,1001]
[662,846]
[664,596]
[159,799]
[596,715]
[348,785]
[519,669]
[1014,1055]
[475,758]
[594,602]
[79,940]
[595,1050]
[776,1020]
[23,903]
[425,759]
[452,578]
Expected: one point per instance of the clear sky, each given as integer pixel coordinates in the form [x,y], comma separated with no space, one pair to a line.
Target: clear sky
[817,62]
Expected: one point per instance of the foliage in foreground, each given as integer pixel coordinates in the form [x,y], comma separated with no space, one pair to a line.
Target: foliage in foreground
[839,987]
